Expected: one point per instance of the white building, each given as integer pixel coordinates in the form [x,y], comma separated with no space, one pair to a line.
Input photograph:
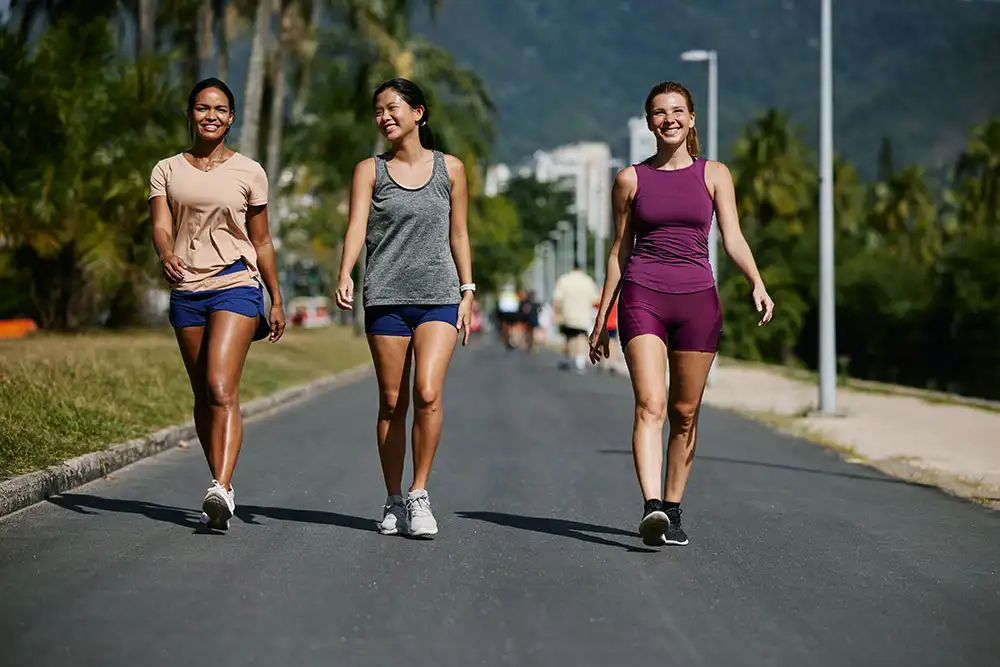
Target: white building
[497,178]
[641,142]
[586,169]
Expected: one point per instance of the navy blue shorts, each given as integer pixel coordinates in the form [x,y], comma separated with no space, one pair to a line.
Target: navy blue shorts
[402,320]
[192,309]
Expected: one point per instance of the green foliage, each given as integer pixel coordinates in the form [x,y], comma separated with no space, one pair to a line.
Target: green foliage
[75,168]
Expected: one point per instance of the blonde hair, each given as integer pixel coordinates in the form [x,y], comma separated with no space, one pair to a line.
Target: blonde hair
[694,148]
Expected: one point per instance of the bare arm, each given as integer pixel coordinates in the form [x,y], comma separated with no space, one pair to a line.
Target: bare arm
[622,196]
[260,237]
[736,246]
[163,239]
[362,184]
[720,183]
[459,234]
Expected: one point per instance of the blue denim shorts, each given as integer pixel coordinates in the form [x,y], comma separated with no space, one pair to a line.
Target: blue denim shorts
[192,309]
[402,320]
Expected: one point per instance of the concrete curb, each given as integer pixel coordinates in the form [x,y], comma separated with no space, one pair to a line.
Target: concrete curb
[20,492]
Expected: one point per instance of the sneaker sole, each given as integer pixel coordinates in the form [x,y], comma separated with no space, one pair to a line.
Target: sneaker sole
[218,513]
[652,529]
[386,531]
[675,543]
[424,535]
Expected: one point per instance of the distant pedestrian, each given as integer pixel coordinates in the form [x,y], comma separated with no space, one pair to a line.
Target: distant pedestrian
[408,211]
[528,316]
[209,209]
[669,310]
[574,299]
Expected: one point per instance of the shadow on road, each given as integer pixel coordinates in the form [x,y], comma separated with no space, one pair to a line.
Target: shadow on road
[188,518]
[561,527]
[87,504]
[248,514]
[782,466]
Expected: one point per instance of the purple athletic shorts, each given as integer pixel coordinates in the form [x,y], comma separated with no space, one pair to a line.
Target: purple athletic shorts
[690,322]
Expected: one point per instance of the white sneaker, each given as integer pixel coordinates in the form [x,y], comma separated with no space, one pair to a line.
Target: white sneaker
[218,507]
[393,516]
[420,520]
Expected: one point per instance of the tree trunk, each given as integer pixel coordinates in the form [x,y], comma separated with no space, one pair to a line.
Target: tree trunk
[277,113]
[250,132]
[230,15]
[206,38]
[147,27]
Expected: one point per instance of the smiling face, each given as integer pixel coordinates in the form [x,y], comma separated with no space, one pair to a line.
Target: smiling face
[669,118]
[394,117]
[211,115]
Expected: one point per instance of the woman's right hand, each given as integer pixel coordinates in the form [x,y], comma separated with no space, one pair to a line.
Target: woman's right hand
[600,343]
[345,293]
[173,268]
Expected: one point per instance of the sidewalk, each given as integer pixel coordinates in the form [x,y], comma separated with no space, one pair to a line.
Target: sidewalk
[925,439]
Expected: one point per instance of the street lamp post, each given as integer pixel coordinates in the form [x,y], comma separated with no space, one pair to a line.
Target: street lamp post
[827,311]
[713,138]
[712,57]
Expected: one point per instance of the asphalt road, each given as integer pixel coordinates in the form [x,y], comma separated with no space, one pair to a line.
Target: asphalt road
[796,557]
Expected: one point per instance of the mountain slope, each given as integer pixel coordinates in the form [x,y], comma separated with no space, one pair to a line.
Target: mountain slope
[921,72]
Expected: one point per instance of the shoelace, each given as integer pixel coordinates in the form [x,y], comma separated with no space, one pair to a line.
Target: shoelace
[421,505]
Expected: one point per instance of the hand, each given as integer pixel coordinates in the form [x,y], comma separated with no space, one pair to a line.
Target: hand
[173,268]
[345,293]
[763,303]
[465,316]
[277,321]
[600,343]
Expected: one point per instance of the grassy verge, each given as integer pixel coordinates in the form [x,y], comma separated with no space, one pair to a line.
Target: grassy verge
[63,396]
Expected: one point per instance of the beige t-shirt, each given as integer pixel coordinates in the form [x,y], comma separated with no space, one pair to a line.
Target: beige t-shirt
[575,296]
[210,217]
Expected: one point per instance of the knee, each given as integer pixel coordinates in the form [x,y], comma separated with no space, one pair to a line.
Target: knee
[220,392]
[427,397]
[391,404]
[651,410]
[683,416]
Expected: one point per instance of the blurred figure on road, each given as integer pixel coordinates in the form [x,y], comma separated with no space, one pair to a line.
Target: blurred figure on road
[507,307]
[670,309]
[528,319]
[408,208]
[210,230]
[573,300]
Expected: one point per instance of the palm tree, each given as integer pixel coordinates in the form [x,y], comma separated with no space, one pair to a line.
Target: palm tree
[977,177]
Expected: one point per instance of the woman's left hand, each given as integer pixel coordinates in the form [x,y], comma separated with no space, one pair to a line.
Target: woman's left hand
[465,316]
[277,320]
[763,303]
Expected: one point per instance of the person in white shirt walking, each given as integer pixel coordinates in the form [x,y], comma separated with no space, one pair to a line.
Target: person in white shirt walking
[575,297]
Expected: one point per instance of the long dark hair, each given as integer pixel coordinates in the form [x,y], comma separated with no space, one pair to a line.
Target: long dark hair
[205,84]
[412,95]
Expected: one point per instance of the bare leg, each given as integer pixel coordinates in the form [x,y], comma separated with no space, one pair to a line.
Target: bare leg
[688,374]
[392,355]
[433,346]
[190,340]
[229,336]
[646,356]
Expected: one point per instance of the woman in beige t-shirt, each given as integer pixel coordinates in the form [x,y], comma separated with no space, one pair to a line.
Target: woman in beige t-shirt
[209,207]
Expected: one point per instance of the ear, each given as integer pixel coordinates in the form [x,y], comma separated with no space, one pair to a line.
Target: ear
[691,124]
[420,112]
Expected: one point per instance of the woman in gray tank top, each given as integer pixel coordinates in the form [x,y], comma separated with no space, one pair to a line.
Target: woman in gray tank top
[408,212]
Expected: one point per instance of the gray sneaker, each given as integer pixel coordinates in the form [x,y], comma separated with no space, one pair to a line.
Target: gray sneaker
[393,516]
[419,518]
[218,507]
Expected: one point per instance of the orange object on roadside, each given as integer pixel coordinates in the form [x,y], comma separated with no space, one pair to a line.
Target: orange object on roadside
[17,328]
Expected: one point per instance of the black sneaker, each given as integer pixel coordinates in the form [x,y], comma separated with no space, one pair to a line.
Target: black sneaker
[675,534]
[654,523]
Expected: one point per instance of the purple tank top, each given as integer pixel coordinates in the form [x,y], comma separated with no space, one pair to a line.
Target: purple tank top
[671,218]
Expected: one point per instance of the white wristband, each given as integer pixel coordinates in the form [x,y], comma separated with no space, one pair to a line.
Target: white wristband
[468,287]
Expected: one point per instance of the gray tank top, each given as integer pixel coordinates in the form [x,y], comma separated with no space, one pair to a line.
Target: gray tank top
[409,260]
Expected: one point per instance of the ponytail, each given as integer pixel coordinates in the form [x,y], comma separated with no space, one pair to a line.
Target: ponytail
[692,142]
[425,134]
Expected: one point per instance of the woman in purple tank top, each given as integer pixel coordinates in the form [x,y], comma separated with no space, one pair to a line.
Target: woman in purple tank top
[669,311]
